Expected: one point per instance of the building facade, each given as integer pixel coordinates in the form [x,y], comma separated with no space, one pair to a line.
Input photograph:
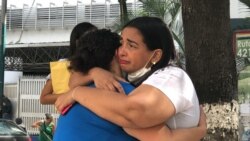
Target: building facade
[37,35]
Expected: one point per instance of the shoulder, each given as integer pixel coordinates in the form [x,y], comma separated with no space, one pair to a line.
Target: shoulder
[175,84]
[169,70]
[166,75]
[171,79]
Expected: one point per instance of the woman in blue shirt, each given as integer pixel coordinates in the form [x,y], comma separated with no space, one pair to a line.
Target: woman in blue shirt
[96,49]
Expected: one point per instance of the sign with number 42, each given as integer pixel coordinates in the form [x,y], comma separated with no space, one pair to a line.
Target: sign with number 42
[242,43]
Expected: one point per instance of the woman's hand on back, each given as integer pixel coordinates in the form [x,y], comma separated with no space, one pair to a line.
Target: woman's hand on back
[64,100]
[106,80]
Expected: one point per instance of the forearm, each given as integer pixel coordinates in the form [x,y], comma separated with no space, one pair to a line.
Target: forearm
[134,111]
[47,96]
[192,134]
[163,133]
[109,105]
[155,133]
[36,124]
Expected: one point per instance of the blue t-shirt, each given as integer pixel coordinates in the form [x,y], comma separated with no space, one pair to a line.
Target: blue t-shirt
[81,124]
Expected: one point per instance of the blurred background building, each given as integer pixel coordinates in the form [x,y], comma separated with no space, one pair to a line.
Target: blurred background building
[38,34]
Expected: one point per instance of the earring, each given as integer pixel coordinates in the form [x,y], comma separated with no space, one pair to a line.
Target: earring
[153,63]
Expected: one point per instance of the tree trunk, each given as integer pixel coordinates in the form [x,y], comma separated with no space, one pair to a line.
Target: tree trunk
[209,58]
[123,11]
[210,61]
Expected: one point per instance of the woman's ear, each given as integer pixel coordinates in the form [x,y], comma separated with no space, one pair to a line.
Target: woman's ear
[157,56]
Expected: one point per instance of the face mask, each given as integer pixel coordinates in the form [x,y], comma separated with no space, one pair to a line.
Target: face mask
[139,73]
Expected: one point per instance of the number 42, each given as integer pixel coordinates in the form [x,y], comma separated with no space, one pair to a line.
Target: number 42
[243,52]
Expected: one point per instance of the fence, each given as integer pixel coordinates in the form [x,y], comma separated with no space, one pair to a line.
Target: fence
[26,104]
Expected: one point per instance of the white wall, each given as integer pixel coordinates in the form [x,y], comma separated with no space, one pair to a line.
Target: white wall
[40,36]
[238,10]
[12,77]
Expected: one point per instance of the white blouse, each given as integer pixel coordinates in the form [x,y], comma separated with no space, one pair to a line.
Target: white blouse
[178,87]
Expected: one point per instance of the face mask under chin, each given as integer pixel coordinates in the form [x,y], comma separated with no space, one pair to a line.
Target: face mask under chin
[139,73]
[135,75]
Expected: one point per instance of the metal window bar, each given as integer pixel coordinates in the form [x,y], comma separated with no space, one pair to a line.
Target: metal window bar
[69,16]
[56,17]
[36,17]
[30,16]
[103,15]
[42,17]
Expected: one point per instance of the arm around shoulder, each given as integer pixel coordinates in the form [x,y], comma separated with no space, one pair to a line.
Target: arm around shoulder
[144,107]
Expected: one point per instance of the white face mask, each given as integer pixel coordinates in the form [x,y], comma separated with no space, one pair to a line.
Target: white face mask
[135,75]
[139,73]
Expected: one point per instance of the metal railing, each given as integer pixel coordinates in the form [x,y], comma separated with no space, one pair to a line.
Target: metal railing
[25,101]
